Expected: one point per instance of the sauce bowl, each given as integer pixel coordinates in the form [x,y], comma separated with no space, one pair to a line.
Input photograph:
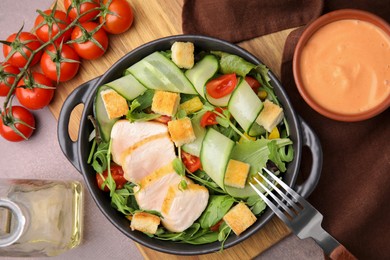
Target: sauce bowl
[77,151]
[341,65]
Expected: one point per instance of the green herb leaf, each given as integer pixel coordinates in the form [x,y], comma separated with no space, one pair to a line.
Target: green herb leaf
[217,207]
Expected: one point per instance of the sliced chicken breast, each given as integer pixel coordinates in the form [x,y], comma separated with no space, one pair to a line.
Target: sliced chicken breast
[152,190]
[181,207]
[125,134]
[145,157]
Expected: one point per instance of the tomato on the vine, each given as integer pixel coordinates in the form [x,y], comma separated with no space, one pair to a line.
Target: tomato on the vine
[35,91]
[253,83]
[49,23]
[191,162]
[20,47]
[89,41]
[22,119]
[7,78]
[117,16]
[117,175]
[221,86]
[67,59]
[87,10]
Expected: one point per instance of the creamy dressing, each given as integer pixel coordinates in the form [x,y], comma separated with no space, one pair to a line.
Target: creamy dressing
[346,66]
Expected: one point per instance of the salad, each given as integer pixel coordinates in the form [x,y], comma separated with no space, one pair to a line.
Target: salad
[179,137]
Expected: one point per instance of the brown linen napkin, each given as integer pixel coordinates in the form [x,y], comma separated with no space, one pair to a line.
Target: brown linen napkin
[354,188]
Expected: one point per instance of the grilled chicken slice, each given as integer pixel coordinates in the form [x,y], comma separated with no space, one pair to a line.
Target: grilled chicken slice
[151,191]
[146,156]
[125,134]
[181,207]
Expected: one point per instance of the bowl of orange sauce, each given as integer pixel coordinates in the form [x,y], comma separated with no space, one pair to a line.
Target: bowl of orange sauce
[341,65]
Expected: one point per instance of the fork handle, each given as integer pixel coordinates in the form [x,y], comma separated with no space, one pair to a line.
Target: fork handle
[341,253]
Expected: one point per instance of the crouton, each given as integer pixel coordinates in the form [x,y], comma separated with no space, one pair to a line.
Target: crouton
[181,131]
[183,54]
[236,173]
[115,105]
[270,116]
[145,222]
[165,103]
[191,106]
[239,218]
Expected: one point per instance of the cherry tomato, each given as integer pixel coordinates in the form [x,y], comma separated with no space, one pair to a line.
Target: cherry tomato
[221,86]
[117,175]
[117,16]
[18,113]
[210,118]
[57,21]
[253,83]
[22,43]
[163,119]
[7,78]
[61,55]
[35,91]
[80,7]
[88,49]
[215,228]
[191,162]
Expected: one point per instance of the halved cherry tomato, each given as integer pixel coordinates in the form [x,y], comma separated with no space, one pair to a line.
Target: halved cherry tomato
[81,7]
[117,16]
[210,118]
[47,25]
[163,119]
[22,43]
[7,78]
[67,58]
[35,91]
[215,228]
[253,83]
[117,175]
[90,44]
[221,86]
[26,128]
[191,162]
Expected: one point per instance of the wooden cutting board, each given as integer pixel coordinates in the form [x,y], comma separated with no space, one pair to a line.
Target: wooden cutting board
[155,19]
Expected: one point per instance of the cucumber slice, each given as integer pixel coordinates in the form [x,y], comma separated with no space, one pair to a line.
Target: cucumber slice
[195,147]
[219,102]
[202,71]
[105,124]
[155,71]
[215,154]
[245,106]
[127,86]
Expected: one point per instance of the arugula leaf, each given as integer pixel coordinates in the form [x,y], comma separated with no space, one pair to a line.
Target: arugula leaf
[256,204]
[274,156]
[217,207]
[99,159]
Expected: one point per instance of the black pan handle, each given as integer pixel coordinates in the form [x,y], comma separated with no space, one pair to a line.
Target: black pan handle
[68,146]
[311,140]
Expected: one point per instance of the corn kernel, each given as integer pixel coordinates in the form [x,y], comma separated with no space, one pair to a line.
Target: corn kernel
[191,106]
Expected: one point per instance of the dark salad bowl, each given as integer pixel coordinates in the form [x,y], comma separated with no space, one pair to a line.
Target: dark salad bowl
[77,152]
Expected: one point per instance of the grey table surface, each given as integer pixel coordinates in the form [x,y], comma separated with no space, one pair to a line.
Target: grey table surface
[42,158]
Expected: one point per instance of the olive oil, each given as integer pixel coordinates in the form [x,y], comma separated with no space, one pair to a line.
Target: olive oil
[40,217]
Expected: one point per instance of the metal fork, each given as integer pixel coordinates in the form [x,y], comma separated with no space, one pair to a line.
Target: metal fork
[299,215]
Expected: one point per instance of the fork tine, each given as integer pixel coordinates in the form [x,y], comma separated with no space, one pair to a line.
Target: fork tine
[284,196]
[295,195]
[276,199]
[270,204]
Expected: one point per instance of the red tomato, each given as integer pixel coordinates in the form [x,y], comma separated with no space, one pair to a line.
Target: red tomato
[7,78]
[57,22]
[18,113]
[88,49]
[191,162]
[253,83]
[117,175]
[22,43]
[62,56]
[117,16]
[163,119]
[221,86]
[210,118]
[81,7]
[215,228]
[31,91]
